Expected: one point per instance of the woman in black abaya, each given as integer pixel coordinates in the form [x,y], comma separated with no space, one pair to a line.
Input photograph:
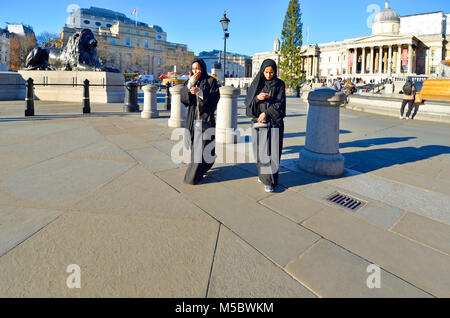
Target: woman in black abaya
[203,89]
[266,105]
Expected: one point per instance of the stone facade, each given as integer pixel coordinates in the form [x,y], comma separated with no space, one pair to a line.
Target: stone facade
[129,45]
[398,47]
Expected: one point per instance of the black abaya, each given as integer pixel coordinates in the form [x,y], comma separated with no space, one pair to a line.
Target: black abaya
[266,142]
[207,107]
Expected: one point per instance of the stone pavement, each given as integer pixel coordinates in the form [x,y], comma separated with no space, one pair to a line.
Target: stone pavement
[102,192]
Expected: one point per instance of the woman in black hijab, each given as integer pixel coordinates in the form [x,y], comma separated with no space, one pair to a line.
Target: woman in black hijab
[204,90]
[266,105]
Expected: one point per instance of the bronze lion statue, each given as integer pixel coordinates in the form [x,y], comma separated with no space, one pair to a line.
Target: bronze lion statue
[80,54]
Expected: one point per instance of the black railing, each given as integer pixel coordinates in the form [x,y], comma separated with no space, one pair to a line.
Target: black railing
[131,94]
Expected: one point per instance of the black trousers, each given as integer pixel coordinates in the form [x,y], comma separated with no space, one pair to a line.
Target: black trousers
[410,104]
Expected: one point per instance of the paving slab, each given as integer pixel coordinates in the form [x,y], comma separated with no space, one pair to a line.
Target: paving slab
[139,192]
[240,271]
[421,266]
[277,237]
[19,223]
[425,230]
[128,141]
[118,256]
[332,272]
[103,150]
[58,180]
[293,205]
[154,159]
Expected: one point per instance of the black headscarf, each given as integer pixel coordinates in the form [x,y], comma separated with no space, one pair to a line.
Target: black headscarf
[260,81]
[202,67]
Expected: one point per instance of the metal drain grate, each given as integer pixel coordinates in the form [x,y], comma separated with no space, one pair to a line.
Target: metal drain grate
[346,201]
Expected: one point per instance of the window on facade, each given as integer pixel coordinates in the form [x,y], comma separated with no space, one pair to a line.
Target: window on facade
[137,42]
[98,24]
[86,22]
[146,33]
[146,44]
[137,32]
[128,40]
[113,42]
[109,25]
[128,31]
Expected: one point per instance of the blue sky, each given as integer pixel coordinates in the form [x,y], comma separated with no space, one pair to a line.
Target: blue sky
[254,23]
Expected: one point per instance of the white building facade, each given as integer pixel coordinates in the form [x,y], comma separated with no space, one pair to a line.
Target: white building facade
[237,65]
[398,47]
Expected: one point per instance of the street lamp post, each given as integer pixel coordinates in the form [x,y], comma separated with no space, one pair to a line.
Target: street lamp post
[225,21]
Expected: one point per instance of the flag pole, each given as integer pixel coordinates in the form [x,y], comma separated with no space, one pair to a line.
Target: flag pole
[136,16]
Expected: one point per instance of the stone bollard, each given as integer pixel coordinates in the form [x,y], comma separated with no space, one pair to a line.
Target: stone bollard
[178,111]
[29,99]
[389,88]
[131,97]
[86,101]
[321,153]
[150,102]
[227,115]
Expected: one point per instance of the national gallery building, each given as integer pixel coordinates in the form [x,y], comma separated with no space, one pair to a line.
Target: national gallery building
[399,46]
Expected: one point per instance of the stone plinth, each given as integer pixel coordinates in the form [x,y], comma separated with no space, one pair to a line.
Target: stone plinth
[12,86]
[178,111]
[227,115]
[321,153]
[71,93]
[150,102]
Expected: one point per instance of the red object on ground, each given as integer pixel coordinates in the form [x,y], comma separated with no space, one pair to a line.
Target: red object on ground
[163,76]
[367,89]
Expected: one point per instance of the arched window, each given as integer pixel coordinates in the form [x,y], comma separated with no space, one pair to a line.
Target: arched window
[87,22]
[98,24]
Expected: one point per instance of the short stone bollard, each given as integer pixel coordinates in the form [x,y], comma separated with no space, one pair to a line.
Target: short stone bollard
[131,97]
[150,102]
[227,115]
[178,111]
[321,153]
[29,99]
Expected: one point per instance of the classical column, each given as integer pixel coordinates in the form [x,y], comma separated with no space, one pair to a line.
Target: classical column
[371,60]
[363,64]
[390,60]
[348,70]
[410,59]
[313,66]
[227,115]
[427,61]
[380,60]
[399,60]
[355,61]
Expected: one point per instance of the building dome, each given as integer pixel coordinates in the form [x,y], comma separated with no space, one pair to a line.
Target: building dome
[386,22]
[387,15]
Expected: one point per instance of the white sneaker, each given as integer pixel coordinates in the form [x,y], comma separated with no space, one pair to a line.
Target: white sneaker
[401,117]
[269,189]
[407,118]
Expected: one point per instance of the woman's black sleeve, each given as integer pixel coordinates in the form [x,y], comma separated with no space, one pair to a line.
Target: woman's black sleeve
[252,110]
[276,105]
[211,100]
[187,98]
